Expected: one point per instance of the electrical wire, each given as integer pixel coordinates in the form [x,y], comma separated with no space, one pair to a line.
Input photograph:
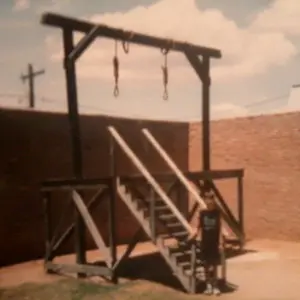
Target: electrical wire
[265,101]
[137,116]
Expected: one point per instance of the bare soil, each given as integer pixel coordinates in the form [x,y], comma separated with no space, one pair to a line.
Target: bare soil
[270,271]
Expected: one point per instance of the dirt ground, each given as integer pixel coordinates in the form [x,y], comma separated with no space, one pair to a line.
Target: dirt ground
[269,271]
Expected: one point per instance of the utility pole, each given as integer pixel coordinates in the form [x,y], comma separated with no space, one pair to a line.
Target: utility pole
[30,76]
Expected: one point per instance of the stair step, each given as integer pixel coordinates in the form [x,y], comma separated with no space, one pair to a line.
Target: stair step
[141,211]
[178,235]
[187,264]
[174,225]
[162,207]
[179,248]
[198,271]
[182,253]
[167,217]
[158,209]
[177,253]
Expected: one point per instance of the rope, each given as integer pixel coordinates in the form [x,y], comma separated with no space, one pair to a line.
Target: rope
[116,70]
[165,52]
[165,76]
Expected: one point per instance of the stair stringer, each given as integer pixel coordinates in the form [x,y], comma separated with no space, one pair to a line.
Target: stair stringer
[185,279]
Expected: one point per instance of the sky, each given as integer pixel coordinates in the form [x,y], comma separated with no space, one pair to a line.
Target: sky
[259,41]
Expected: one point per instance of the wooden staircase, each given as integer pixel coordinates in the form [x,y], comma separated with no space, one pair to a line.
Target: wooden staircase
[181,256]
[181,259]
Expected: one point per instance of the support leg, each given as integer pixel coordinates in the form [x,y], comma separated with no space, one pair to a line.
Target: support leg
[193,279]
[241,209]
[112,230]
[206,118]
[112,210]
[70,72]
[48,226]
[152,204]
[80,239]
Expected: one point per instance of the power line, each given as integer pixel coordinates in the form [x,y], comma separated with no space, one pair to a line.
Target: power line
[268,100]
[11,95]
[112,113]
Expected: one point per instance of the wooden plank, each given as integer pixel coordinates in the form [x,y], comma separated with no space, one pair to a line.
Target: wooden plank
[48,225]
[205,67]
[82,26]
[200,175]
[89,270]
[70,187]
[91,226]
[215,174]
[68,184]
[68,206]
[152,212]
[176,170]
[102,192]
[193,268]
[112,207]
[130,154]
[79,237]
[75,134]
[227,214]
[241,207]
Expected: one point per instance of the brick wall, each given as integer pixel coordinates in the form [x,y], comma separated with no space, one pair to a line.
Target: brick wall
[268,148]
[36,146]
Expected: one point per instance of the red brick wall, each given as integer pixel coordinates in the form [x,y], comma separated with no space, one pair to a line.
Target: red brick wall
[36,146]
[268,148]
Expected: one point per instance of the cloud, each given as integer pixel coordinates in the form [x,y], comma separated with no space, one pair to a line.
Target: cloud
[246,51]
[20,5]
[53,6]
[281,16]
[14,24]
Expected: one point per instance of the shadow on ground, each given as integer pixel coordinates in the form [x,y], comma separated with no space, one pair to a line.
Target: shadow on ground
[232,253]
[153,268]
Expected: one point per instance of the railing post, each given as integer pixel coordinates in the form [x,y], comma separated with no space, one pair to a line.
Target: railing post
[152,212]
[193,266]
[241,207]
[48,228]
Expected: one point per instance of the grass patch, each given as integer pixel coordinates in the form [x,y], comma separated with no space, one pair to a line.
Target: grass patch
[69,289]
[72,289]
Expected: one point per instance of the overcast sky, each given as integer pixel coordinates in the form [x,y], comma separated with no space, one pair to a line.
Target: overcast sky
[259,40]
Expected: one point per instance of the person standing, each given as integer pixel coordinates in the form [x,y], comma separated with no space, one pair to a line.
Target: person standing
[209,233]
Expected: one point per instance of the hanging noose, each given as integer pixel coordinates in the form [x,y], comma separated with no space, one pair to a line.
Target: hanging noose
[126,44]
[116,70]
[165,73]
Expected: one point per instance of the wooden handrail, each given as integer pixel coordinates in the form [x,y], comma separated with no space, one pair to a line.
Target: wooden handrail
[177,171]
[131,155]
